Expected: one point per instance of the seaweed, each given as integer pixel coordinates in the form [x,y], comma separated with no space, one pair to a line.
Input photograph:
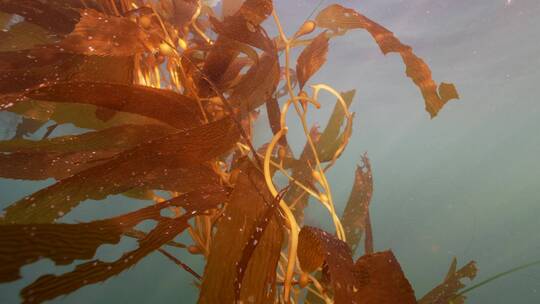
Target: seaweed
[168,93]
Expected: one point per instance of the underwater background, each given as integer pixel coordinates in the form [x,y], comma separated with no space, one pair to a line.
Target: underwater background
[465,184]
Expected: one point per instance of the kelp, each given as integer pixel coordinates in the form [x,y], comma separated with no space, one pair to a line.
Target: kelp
[339,18]
[317,248]
[311,59]
[447,291]
[383,280]
[152,163]
[26,243]
[96,34]
[355,215]
[247,203]
[168,94]
[169,107]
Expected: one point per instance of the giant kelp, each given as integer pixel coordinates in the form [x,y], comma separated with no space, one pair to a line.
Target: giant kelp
[169,92]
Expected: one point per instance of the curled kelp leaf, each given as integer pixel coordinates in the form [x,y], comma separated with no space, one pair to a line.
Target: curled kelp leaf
[381,280]
[317,248]
[175,159]
[246,204]
[172,108]
[340,19]
[448,290]
[354,219]
[312,58]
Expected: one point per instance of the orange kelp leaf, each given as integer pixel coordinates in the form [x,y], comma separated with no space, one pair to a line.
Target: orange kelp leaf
[451,285]
[104,35]
[253,241]
[172,108]
[255,11]
[30,58]
[312,58]
[332,136]
[51,286]
[119,137]
[246,205]
[171,161]
[381,281]
[240,29]
[317,248]
[18,74]
[40,166]
[221,56]
[339,18]
[53,15]
[258,85]
[302,172]
[274,116]
[41,66]
[356,211]
[65,156]
[25,244]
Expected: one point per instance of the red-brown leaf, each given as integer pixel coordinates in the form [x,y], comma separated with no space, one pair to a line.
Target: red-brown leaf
[356,211]
[380,280]
[176,160]
[312,59]
[25,244]
[247,203]
[172,108]
[317,248]
[104,35]
[451,285]
[339,18]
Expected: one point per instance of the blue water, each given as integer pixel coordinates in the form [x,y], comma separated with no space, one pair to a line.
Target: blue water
[465,184]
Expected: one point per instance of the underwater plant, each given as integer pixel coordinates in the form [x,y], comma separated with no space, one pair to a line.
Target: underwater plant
[169,92]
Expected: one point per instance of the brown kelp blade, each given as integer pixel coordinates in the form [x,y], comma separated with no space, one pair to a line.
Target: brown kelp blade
[312,59]
[55,15]
[64,243]
[175,158]
[339,18]
[381,280]
[356,211]
[239,29]
[51,286]
[121,137]
[448,290]
[258,85]
[257,232]
[42,165]
[221,56]
[334,133]
[234,229]
[104,35]
[318,248]
[169,107]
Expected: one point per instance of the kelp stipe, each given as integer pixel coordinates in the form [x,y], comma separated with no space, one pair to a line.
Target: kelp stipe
[170,91]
